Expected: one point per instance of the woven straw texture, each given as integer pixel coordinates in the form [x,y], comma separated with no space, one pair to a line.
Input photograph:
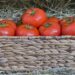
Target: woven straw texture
[20,55]
[28,53]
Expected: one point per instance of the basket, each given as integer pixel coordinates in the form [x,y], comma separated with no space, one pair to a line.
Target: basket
[30,53]
[24,55]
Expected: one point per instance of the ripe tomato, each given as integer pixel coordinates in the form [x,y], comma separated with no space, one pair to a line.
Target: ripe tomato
[68,26]
[27,30]
[53,19]
[10,22]
[50,29]
[34,16]
[7,28]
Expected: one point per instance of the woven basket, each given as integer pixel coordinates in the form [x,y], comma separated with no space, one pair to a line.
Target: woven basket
[23,55]
[28,53]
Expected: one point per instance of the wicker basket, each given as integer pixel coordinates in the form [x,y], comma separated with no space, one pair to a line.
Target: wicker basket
[23,55]
[29,53]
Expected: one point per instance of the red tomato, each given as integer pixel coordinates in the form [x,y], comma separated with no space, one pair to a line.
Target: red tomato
[10,22]
[53,19]
[34,16]
[50,29]
[68,26]
[27,30]
[7,28]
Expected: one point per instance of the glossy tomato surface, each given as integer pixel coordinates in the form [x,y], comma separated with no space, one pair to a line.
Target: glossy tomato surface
[34,17]
[7,28]
[50,29]
[27,30]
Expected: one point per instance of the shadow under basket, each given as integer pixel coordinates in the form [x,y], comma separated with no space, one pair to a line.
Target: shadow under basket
[30,53]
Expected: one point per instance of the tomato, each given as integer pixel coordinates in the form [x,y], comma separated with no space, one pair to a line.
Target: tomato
[53,19]
[10,22]
[7,28]
[68,26]
[34,16]
[50,29]
[27,30]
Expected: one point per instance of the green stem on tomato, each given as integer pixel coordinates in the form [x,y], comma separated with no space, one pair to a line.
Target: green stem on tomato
[28,27]
[33,12]
[2,25]
[47,25]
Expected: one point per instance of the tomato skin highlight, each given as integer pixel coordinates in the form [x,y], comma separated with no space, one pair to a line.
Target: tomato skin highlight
[50,29]
[35,17]
[7,31]
[27,30]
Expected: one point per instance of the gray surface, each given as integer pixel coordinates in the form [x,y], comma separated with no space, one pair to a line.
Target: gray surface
[49,71]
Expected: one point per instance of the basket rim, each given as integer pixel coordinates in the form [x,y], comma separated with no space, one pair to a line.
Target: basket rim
[37,37]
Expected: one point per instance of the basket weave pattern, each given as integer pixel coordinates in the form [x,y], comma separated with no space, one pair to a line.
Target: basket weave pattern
[28,53]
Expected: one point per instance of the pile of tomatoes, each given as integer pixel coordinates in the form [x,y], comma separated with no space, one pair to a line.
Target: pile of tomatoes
[36,23]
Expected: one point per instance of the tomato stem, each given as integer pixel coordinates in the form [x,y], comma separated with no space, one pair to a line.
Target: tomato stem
[69,20]
[33,12]
[2,25]
[47,25]
[28,27]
